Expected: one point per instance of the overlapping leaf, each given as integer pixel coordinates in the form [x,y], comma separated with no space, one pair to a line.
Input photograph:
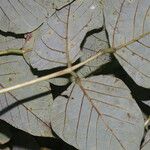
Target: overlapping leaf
[4,138]
[29,108]
[93,113]
[146,144]
[10,43]
[147,102]
[98,113]
[58,40]
[126,21]
[21,16]
[93,44]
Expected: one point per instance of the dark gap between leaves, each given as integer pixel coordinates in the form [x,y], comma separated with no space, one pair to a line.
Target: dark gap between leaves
[54,143]
[47,142]
[139,93]
[24,140]
[41,73]
[11,34]
[57,90]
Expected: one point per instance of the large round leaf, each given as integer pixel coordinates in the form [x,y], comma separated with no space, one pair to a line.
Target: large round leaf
[57,41]
[128,24]
[98,113]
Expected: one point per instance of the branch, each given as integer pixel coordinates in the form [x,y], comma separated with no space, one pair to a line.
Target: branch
[56,74]
[11,51]
[71,69]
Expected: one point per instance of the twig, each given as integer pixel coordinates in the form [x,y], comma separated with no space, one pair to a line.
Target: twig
[71,69]
[11,51]
[55,74]
[147,122]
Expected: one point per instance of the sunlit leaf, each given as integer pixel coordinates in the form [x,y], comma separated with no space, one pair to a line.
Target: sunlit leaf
[126,20]
[29,108]
[21,16]
[98,113]
[57,41]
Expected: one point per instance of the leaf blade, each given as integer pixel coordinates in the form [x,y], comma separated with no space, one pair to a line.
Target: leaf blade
[146,143]
[126,20]
[59,39]
[96,111]
[27,109]
[26,15]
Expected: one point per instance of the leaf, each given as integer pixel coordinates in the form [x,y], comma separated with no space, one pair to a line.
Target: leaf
[23,16]
[147,102]
[10,42]
[3,138]
[126,20]
[93,44]
[146,144]
[98,113]
[60,81]
[57,41]
[5,133]
[27,109]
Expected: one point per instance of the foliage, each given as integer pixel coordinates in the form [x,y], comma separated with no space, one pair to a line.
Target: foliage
[56,51]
